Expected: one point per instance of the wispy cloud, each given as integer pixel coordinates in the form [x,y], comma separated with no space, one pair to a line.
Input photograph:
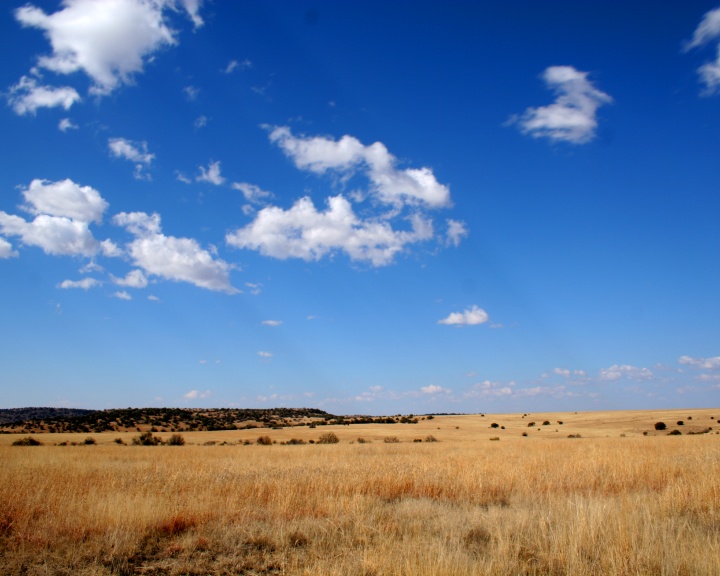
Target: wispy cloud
[708,32]
[573,116]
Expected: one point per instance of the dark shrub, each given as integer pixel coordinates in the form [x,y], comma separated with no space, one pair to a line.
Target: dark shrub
[546,423]
[176,440]
[328,438]
[89,441]
[524,434]
[680,423]
[430,439]
[147,439]
[264,440]
[119,441]
[674,433]
[531,424]
[660,426]
[494,425]
[296,441]
[494,438]
[391,440]
[27,441]
[417,440]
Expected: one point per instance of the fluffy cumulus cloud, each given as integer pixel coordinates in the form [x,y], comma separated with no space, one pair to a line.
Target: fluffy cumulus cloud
[136,152]
[6,249]
[469,317]
[617,371]
[272,323]
[573,116]
[197,394]
[708,32]
[84,284]
[304,232]
[489,389]
[178,259]
[133,279]
[110,41]
[434,389]
[712,363]
[63,211]
[397,215]
[64,198]
[27,96]
[347,155]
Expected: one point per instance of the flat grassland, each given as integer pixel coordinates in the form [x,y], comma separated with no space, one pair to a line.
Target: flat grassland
[611,501]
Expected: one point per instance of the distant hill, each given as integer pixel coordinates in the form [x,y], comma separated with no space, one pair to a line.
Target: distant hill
[36,420]
[8,415]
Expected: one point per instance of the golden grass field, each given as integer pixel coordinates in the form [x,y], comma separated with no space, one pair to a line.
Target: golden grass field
[610,502]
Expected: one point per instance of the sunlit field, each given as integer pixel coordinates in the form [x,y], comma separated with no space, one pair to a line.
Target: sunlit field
[385,499]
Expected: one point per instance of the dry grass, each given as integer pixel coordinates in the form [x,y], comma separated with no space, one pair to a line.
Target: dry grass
[463,505]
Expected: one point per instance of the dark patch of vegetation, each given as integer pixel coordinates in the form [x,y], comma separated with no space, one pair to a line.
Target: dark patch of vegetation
[680,423]
[546,423]
[574,436]
[147,439]
[13,415]
[430,438]
[391,439]
[176,440]
[27,441]
[264,441]
[674,433]
[660,426]
[328,438]
[494,425]
[90,441]
[531,424]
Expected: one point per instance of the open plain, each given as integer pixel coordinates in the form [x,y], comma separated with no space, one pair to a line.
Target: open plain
[575,493]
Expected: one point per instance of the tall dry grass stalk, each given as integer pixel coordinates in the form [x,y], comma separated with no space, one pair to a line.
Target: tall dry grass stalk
[575,507]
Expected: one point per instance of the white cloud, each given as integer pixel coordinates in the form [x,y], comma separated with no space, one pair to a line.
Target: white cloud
[470,317]
[616,372]
[348,155]
[6,249]
[303,232]
[712,363]
[235,65]
[64,198]
[568,373]
[197,394]
[55,235]
[179,259]
[456,231]
[153,298]
[110,41]
[488,389]
[434,389]
[263,354]
[272,322]
[65,124]
[135,152]
[211,174]
[572,117]
[191,92]
[255,288]
[708,32]
[200,122]
[84,284]
[133,279]
[251,192]
[122,295]
[129,150]
[27,96]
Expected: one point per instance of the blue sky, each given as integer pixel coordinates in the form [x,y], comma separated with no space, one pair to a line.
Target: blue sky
[366,207]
